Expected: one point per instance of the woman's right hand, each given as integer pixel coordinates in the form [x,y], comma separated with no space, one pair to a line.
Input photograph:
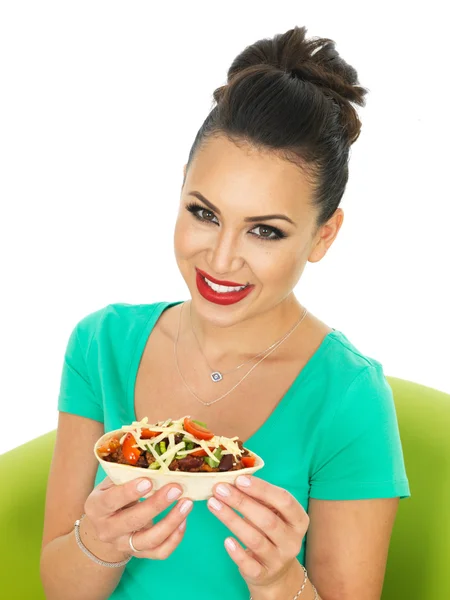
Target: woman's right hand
[114,512]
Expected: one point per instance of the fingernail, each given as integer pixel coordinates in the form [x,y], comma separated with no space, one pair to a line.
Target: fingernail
[223,490]
[229,543]
[182,526]
[243,481]
[215,504]
[144,485]
[174,493]
[185,506]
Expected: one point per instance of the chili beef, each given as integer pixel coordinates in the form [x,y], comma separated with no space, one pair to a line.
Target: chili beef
[180,445]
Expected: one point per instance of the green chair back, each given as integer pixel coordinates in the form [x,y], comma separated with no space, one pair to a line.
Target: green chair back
[419,553]
[24,472]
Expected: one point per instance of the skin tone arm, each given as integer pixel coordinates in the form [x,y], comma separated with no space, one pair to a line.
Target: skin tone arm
[347,541]
[112,513]
[348,544]
[71,479]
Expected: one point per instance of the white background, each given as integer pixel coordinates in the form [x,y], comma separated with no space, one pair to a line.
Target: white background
[99,106]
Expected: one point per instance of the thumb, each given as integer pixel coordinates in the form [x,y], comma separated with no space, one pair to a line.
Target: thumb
[106,484]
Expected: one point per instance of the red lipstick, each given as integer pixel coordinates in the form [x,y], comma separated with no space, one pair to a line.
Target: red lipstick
[223,298]
[227,283]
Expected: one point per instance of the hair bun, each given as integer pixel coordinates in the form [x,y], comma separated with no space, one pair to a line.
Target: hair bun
[312,60]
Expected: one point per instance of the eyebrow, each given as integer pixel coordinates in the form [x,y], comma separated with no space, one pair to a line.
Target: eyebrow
[247,219]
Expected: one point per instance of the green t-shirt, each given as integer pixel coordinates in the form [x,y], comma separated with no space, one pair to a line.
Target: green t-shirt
[340,441]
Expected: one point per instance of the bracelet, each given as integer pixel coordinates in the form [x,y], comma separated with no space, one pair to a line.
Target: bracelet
[316,595]
[92,556]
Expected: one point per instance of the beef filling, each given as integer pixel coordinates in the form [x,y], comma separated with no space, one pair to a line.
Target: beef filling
[190,463]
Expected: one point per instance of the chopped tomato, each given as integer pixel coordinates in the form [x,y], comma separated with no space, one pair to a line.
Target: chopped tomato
[197,430]
[201,452]
[110,446]
[131,454]
[248,461]
[146,434]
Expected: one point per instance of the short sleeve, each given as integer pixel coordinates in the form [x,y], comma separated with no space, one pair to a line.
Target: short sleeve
[361,457]
[76,393]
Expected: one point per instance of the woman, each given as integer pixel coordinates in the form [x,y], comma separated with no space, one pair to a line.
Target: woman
[260,199]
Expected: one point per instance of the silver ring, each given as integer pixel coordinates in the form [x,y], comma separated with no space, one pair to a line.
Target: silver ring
[130,541]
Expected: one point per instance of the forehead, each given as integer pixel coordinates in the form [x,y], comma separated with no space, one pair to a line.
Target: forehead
[249,180]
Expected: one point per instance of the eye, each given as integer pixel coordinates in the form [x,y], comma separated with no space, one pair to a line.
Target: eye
[276,234]
[207,216]
[196,209]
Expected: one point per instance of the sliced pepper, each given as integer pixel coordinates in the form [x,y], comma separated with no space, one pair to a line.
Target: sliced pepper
[131,454]
[146,434]
[212,463]
[201,452]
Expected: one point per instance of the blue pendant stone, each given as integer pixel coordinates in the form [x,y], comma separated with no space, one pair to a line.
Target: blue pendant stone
[216,376]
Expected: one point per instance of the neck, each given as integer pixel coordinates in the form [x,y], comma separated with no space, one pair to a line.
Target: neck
[225,345]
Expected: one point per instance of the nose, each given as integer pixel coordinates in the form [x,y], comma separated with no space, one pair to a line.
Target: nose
[225,258]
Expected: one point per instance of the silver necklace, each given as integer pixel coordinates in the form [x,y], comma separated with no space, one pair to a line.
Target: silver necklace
[247,374]
[218,375]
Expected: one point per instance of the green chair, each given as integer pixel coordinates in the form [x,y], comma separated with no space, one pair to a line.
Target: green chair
[420,546]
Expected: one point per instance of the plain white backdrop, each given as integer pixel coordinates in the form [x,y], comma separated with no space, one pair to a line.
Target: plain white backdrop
[99,106]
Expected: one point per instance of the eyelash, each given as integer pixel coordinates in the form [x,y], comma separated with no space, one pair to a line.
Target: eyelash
[194,208]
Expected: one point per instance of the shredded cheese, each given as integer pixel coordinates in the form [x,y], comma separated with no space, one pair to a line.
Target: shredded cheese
[204,445]
[167,457]
[158,459]
[164,430]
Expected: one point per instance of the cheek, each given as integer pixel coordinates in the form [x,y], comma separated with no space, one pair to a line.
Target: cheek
[185,239]
[190,238]
[275,267]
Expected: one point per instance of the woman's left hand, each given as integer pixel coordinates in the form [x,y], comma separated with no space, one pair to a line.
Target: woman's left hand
[273,528]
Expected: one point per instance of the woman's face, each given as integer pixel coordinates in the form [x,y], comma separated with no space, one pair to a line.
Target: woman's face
[268,254]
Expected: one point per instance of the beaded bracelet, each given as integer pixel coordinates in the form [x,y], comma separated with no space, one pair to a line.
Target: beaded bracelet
[316,595]
[92,556]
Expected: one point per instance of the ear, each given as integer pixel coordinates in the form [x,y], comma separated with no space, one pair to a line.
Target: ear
[326,236]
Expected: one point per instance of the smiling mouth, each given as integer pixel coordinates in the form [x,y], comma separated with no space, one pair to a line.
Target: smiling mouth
[221,287]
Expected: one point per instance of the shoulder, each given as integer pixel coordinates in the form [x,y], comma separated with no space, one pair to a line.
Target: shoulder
[116,320]
[360,397]
[344,348]
[354,385]
[346,363]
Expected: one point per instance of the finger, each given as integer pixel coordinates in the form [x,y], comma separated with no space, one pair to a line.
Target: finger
[108,499]
[106,483]
[165,549]
[255,540]
[141,514]
[282,501]
[259,515]
[150,539]
[249,566]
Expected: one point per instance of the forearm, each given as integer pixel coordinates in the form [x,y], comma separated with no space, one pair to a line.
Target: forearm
[287,588]
[66,572]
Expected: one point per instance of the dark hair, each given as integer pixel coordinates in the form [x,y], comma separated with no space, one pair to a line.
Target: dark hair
[292,96]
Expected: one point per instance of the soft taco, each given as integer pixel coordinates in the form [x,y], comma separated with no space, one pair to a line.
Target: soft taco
[180,451]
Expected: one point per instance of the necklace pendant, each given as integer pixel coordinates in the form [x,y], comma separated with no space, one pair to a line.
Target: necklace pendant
[216,376]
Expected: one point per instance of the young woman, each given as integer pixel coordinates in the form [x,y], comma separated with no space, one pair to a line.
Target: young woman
[260,199]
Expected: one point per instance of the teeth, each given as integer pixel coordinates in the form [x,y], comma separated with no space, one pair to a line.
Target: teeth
[223,288]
